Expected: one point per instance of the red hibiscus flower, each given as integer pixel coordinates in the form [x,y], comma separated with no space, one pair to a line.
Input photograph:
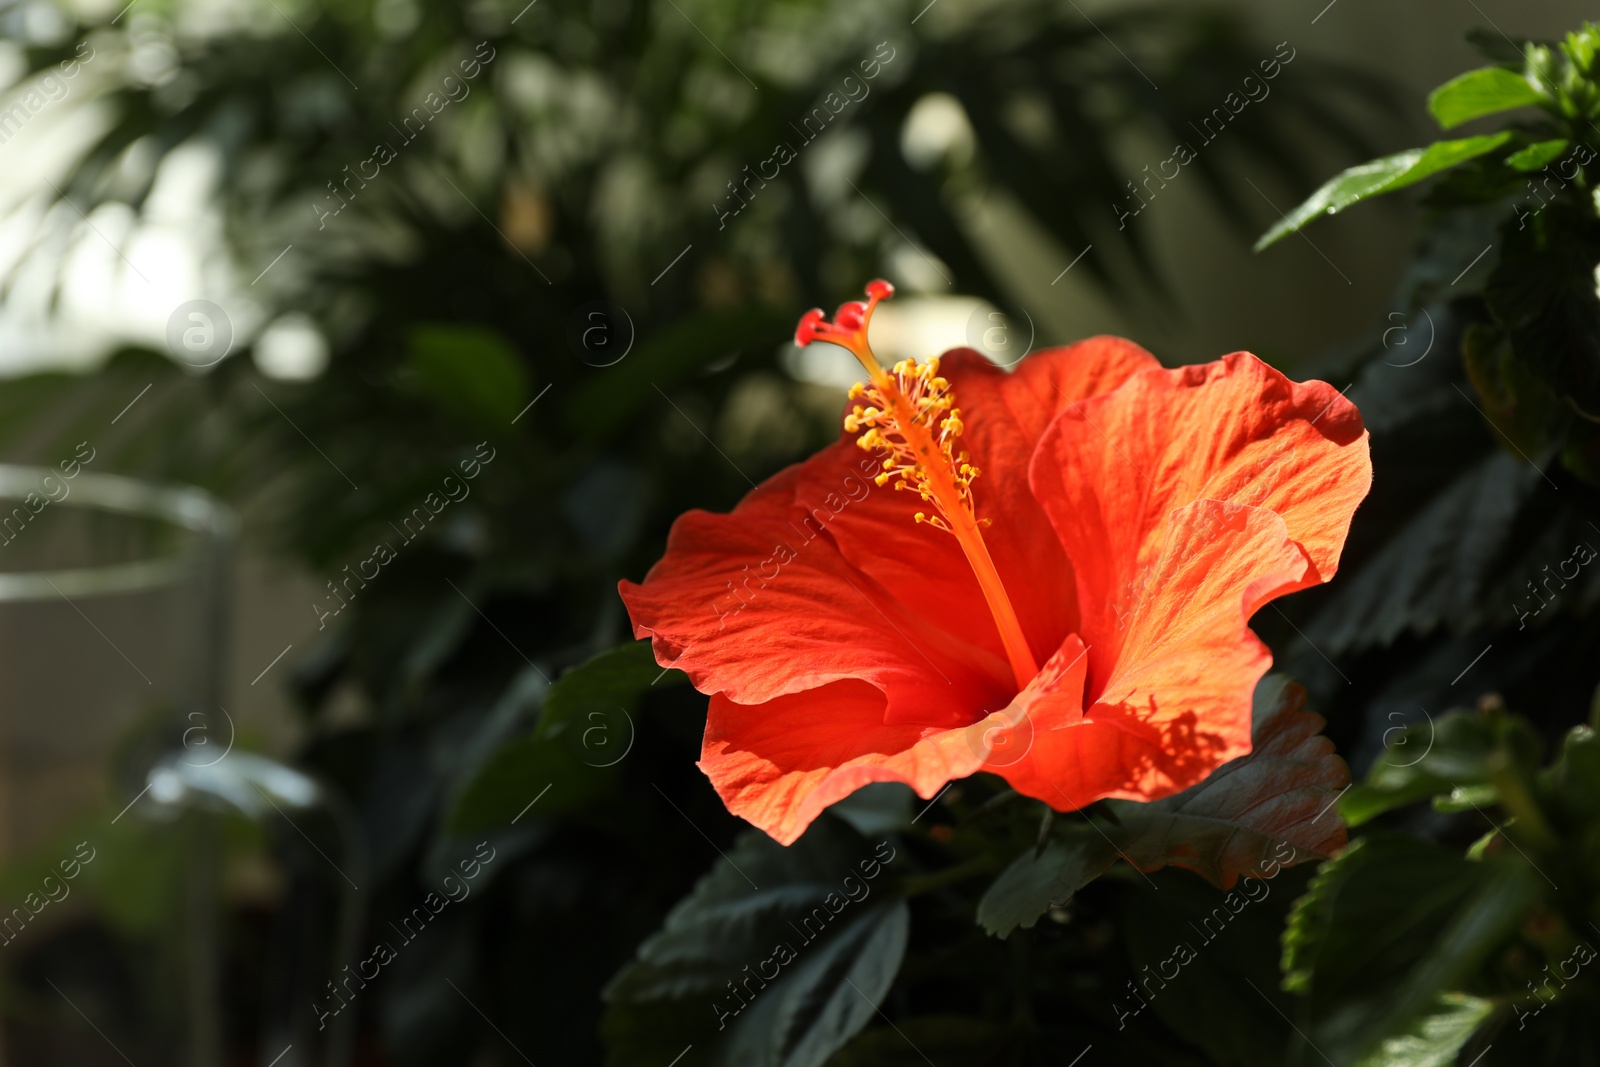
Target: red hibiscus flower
[1060,593]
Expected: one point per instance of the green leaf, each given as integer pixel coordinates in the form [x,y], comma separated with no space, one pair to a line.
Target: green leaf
[1572,783]
[1026,889]
[1449,756]
[1518,402]
[1272,808]
[1486,91]
[1390,925]
[877,809]
[1541,291]
[527,769]
[611,682]
[1480,848]
[586,727]
[472,373]
[1537,155]
[776,959]
[1486,921]
[1380,176]
[1274,805]
[1371,911]
[1437,565]
[1205,950]
[1435,1038]
[1466,797]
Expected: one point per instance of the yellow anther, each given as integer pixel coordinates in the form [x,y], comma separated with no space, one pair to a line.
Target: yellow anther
[910,420]
[916,390]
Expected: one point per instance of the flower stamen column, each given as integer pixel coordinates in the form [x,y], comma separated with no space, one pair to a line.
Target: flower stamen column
[911,415]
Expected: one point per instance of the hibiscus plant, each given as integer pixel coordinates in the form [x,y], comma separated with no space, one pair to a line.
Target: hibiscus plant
[1088,711]
[1046,639]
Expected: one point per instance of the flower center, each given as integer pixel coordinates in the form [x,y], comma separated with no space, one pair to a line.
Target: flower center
[910,417]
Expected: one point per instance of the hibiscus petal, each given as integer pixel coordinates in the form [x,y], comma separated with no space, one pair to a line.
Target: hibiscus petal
[1177,704]
[1045,384]
[780,763]
[1053,700]
[1110,471]
[1005,414]
[874,528]
[757,604]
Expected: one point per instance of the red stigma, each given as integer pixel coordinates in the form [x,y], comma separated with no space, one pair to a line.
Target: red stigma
[806,332]
[849,325]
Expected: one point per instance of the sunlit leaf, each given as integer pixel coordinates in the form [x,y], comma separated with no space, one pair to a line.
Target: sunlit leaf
[1486,91]
[1389,926]
[1435,1037]
[1537,155]
[1440,756]
[1381,176]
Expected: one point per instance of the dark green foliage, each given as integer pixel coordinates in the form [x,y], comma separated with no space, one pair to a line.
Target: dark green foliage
[1538,295]
[1401,934]
[457,292]
[777,958]
[1467,937]
[459,286]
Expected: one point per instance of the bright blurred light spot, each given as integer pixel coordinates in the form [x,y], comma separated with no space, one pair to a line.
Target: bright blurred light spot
[917,268]
[166,786]
[184,183]
[153,62]
[923,327]
[291,348]
[396,18]
[833,164]
[936,127]
[81,287]
[45,24]
[823,364]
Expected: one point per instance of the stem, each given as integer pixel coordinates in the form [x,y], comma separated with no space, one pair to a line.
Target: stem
[1517,799]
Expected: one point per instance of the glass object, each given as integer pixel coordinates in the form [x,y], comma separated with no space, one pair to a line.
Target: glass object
[113,626]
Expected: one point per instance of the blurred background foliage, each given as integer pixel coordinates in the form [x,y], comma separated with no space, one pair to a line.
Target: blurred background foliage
[443,321]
